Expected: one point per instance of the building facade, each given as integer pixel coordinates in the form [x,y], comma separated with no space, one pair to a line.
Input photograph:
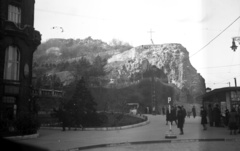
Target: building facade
[228,97]
[18,41]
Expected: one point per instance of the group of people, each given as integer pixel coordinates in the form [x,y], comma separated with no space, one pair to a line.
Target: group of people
[177,115]
[231,118]
[214,115]
[211,115]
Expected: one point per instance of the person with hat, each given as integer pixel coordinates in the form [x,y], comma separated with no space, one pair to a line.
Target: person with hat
[180,118]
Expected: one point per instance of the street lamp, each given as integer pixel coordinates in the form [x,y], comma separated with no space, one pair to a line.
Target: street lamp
[234,46]
[153,74]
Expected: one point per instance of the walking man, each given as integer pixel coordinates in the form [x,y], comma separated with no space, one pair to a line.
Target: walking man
[180,118]
[217,116]
[203,118]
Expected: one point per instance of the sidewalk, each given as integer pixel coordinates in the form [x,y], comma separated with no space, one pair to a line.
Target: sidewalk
[153,133]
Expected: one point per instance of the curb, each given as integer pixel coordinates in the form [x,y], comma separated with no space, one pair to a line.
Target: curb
[154,142]
[104,128]
[23,136]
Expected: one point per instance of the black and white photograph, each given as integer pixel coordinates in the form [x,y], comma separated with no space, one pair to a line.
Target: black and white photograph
[120,75]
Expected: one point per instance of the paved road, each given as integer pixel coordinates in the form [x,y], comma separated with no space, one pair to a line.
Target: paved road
[153,132]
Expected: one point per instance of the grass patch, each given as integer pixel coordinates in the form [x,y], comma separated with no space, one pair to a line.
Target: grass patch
[110,120]
[118,119]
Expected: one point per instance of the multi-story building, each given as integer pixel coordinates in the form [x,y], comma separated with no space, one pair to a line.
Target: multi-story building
[18,41]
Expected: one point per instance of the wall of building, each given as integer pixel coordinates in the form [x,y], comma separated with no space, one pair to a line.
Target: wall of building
[26,38]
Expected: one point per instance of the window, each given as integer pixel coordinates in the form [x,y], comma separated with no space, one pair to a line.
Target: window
[235,95]
[14,14]
[12,63]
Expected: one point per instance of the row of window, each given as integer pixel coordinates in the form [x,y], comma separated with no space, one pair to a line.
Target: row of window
[14,14]
[12,54]
[12,63]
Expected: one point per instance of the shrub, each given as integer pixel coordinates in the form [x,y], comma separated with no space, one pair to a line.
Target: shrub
[5,124]
[94,119]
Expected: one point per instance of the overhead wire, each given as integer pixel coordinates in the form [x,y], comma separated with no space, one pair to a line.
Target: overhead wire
[215,37]
[220,66]
[91,17]
[221,82]
[69,14]
[210,43]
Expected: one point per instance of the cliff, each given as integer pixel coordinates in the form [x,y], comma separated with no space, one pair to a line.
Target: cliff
[169,63]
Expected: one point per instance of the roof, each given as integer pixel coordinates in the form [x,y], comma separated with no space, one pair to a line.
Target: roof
[220,90]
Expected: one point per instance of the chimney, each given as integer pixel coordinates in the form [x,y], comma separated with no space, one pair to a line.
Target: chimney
[235,82]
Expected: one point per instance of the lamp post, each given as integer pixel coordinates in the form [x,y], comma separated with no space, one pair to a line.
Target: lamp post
[153,90]
[234,46]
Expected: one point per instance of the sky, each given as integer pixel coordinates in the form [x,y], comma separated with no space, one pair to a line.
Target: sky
[204,27]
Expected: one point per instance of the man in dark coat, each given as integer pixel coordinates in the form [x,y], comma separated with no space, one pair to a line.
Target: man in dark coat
[203,118]
[180,118]
[217,115]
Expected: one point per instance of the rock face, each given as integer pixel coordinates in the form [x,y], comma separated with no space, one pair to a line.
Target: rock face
[171,64]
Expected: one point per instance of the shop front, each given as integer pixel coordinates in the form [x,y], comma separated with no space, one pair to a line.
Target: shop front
[226,98]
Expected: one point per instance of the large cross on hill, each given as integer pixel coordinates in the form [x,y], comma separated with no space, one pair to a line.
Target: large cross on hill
[151,32]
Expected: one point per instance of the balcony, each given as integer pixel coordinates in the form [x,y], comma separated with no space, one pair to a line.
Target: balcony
[47,93]
[27,31]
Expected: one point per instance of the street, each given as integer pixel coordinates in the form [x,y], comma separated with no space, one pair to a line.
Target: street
[150,137]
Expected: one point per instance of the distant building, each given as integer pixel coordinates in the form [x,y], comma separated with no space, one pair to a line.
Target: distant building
[18,41]
[227,97]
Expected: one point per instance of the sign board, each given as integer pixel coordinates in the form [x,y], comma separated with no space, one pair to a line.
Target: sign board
[169,100]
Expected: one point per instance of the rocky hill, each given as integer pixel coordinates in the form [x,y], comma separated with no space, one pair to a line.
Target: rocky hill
[172,67]
[57,50]
[126,66]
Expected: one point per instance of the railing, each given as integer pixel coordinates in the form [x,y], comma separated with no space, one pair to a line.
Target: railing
[48,92]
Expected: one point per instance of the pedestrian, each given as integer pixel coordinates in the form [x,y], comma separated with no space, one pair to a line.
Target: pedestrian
[217,116]
[233,121]
[238,113]
[210,114]
[184,112]
[180,118]
[168,117]
[226,116]
[194,111]
[174,114]
[203,118]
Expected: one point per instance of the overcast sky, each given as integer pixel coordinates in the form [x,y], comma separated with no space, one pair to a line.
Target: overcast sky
[192,23]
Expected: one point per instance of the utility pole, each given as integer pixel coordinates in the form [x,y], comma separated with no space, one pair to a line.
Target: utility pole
[153,93]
